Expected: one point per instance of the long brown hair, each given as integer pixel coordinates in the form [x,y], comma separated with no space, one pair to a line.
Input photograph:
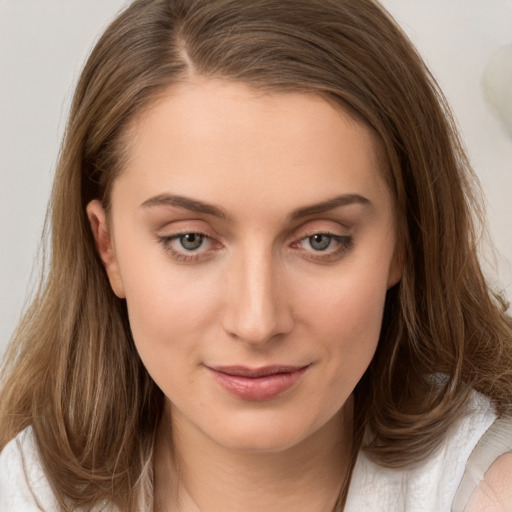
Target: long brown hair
[72,371]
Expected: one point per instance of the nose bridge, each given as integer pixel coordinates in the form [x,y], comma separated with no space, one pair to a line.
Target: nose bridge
[257,310]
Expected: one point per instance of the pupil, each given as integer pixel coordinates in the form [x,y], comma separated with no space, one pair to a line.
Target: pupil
[320,242]
[191,241]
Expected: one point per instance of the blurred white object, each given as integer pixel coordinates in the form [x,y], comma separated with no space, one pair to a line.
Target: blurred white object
[497,84]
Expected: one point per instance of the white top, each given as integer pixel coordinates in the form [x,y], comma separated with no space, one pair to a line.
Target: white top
[441,483]
[435,485]
[23,485]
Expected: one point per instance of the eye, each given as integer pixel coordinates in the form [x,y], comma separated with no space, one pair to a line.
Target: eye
[191,241]
[320,242]
[189,247]
[324,247]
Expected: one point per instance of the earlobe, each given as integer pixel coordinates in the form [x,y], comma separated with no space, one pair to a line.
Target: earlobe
[395,269]
[104,245]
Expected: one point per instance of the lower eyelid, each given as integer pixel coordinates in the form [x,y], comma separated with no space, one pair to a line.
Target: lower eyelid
[184,256]
[344,244]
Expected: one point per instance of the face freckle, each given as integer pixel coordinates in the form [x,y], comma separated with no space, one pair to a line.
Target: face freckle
[254,238]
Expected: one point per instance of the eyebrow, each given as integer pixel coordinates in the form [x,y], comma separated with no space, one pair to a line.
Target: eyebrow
[186,203]
[216,211]
[330,204]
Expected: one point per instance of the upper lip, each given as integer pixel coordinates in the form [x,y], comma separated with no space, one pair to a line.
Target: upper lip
[263,371]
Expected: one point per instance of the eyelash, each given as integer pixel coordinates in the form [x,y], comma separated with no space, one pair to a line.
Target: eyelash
[183,257]
[345,243]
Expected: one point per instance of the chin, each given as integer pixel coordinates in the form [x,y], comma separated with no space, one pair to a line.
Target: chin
[261,440]
[267,432]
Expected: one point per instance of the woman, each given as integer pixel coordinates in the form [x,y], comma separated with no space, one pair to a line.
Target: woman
[263,291]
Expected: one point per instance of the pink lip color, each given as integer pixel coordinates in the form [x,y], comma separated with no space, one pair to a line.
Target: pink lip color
[257,384]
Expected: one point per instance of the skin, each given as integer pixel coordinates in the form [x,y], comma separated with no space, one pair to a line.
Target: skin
[257,292]
[494,493]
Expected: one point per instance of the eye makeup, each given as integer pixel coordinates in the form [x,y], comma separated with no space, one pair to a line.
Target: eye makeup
[189,246]
[324,246]
[196,246]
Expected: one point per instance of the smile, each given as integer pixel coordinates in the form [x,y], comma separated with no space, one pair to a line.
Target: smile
[257,384]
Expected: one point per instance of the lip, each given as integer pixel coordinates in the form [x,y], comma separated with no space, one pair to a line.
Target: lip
[257,384]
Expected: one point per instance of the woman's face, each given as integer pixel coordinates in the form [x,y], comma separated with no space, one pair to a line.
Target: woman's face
[253,238]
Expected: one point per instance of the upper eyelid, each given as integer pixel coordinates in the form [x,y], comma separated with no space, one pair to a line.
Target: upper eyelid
[341,239]
[324,225]
[296,237]
[312,232]
[176,236]
[319,231]
[181,232]
[294,228]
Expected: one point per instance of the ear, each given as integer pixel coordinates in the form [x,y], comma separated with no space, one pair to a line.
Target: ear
[104,245]
[395,269]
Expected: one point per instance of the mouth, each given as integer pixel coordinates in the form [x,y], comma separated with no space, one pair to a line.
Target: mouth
[257,384]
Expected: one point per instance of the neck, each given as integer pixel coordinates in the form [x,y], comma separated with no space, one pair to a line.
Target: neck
[202,476]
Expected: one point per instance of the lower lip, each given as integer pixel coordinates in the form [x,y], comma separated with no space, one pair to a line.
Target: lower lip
[258,389]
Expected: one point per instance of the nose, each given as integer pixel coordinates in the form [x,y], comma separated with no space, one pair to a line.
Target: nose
[258,309]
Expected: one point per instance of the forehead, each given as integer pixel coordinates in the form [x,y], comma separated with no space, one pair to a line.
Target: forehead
[217,140]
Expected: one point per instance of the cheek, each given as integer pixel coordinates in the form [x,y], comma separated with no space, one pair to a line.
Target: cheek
[168,318]
[167,304]
[351,304]
[168,308]
[345,315]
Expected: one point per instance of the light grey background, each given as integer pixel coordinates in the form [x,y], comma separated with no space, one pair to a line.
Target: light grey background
[43,44]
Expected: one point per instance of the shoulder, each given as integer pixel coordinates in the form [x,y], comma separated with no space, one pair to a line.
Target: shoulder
[432,483]
[494,490]
[23,485]
[494,493]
